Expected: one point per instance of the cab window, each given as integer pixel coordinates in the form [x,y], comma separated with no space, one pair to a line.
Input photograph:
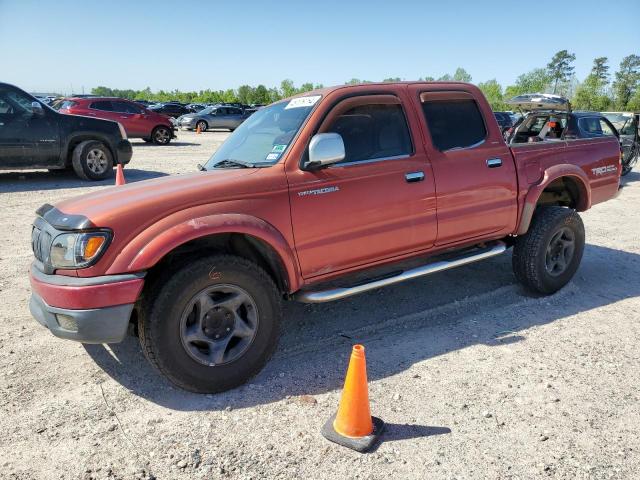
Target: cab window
[454,123]
[372,131]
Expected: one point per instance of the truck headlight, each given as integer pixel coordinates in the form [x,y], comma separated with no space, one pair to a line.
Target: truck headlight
[78,250]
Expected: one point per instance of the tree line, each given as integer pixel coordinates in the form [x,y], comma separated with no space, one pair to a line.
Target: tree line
[599,91]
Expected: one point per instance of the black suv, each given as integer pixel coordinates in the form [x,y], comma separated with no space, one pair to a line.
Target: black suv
[170,109]
[32,135]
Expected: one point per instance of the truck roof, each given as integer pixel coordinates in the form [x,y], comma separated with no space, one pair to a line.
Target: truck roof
[327,90]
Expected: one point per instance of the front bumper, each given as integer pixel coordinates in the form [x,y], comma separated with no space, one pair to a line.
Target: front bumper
[124,152]
[89,310]
[100,325]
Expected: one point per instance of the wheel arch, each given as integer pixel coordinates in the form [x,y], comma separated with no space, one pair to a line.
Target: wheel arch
[242,235]
[561,185]
[76,139]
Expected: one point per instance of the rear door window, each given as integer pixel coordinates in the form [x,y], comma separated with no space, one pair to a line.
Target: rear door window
[454,123]
[103,105]
[124,107]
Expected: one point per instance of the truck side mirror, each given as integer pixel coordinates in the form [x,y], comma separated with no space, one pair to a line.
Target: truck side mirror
[37,109]
[325,149]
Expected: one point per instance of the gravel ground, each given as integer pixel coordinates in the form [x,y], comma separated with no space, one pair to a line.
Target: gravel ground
[474,377]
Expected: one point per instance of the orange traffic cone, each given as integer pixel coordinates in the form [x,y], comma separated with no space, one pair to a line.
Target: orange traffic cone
[120,175]
[198,129]
[353,426]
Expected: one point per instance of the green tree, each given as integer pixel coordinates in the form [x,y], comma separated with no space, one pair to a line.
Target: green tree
[493,91]
[535,81]
[287,88]
[261,95]
[600,69]
[445,78]
[245,94]
[392,79]
[305,87]
[461,75]
[591,94]
[627,81]
[428,79]
[560,68]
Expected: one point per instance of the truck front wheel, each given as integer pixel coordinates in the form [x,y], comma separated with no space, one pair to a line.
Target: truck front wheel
[212,325]
[548,255]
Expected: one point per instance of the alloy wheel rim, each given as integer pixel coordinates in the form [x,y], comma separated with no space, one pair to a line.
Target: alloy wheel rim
[560,251]
[97,161]
[162,135]
[219,324]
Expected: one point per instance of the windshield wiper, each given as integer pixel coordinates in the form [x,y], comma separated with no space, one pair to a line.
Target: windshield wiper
[230,162]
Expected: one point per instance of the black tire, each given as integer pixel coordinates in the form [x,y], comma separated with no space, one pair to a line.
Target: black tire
[548,255]
[628,165]
[92,160]
[203,125]
[161,135]
[161,323]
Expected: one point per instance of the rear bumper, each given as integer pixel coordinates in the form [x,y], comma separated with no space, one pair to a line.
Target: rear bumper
[124,152]
[89,310]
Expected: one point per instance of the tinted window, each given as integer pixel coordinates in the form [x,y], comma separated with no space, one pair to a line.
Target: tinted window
[64,104]
[454,123]
[594,127]
[105,106]
[124,107]
[5,107]
[234,111]
[373,131]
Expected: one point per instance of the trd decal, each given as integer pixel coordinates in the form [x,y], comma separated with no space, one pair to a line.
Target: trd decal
[605,169]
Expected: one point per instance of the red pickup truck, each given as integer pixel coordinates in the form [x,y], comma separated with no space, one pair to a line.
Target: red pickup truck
[314,198]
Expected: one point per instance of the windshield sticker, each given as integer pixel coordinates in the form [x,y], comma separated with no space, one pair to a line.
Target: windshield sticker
[278,148]
[302,102]
[273,156]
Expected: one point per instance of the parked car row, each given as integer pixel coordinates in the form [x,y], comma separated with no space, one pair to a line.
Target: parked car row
[33,135]
[138,121]
[214,117]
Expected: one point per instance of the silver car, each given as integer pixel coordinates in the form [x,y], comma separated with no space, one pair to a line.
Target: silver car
[213,117]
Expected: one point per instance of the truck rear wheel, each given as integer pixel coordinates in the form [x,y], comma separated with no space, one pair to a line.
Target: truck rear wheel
[92,160]
[212,325]
[548,255]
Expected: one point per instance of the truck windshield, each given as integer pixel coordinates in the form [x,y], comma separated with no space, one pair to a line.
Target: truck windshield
[263,138]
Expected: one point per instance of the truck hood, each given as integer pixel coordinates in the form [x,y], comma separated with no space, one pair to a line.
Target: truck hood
[146,201]
[539,101]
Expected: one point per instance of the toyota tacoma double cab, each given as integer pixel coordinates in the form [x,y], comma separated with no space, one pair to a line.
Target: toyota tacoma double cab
[34,136]
[314,198]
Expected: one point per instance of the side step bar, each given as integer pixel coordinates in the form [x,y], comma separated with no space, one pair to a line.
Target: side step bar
[338,293]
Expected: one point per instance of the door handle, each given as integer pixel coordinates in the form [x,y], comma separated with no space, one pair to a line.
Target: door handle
[412,177]
[494,162]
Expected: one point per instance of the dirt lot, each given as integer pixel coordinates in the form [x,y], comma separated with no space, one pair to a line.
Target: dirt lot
[474,377]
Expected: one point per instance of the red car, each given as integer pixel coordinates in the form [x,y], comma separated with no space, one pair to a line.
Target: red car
[136,120]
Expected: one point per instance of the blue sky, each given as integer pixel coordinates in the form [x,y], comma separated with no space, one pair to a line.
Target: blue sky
[52,45]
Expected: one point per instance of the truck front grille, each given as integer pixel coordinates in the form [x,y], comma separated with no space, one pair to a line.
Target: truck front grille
[40,244]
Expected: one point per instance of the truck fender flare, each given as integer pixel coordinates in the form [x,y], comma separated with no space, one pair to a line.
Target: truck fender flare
[168,239]
[550,174]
